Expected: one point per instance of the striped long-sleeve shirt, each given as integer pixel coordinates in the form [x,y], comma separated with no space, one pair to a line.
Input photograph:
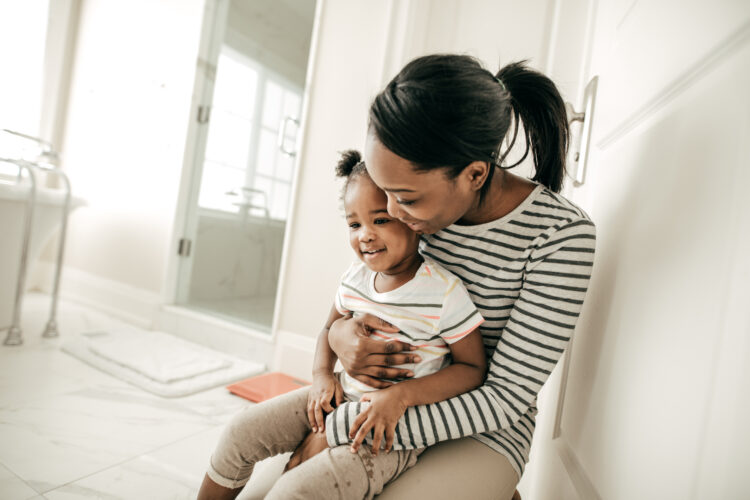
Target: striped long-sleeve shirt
[527,273]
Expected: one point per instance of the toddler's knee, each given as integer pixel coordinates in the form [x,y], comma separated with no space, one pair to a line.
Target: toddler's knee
[238,441]
[238,424]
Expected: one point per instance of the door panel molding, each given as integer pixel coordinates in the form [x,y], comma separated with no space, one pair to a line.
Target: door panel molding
[581,482]
[679,84]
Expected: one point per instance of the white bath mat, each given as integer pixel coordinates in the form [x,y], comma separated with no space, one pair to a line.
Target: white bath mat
[158,362]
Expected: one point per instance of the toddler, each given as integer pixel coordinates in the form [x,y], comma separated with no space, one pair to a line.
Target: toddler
[431,310]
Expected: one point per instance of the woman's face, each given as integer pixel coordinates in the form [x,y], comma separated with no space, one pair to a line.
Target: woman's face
[426,201]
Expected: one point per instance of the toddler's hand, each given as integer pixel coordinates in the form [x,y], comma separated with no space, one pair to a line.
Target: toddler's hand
[381,416]
[325,390]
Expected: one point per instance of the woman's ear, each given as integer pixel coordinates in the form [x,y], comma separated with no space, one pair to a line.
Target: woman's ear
[475,173]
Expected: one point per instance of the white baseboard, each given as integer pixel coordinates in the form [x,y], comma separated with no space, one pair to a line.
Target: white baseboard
[294,354]
[129,303]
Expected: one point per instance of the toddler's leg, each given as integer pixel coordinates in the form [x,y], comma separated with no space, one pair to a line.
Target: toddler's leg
[258,432]
[336,473]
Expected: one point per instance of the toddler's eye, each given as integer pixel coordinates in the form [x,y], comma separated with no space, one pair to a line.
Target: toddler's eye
[353,225]
[382,221]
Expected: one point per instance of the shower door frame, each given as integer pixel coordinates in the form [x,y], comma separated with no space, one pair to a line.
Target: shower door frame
[186,214]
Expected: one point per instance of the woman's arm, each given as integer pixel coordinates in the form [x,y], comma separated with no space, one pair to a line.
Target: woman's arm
[466,372]
[364,358]
[541,320]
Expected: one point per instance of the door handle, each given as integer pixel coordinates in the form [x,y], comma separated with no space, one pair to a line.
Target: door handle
[579,152]
[282,136]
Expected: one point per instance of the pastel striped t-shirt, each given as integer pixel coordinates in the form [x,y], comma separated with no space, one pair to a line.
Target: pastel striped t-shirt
[432,310]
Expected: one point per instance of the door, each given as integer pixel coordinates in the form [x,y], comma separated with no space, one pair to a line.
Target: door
[244,167]
[655,399]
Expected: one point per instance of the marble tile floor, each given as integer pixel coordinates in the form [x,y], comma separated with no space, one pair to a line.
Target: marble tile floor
[69,431]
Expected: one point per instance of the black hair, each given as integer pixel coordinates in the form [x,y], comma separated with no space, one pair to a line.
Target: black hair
[446,111]
[350,166]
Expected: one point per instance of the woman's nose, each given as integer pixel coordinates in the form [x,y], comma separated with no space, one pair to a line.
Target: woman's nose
[394,210]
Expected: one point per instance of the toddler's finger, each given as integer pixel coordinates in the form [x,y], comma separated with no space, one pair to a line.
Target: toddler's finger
[361,435]
[389,438]
[377,437]
[311,416]
[325,404]
[358,421]
[319,418]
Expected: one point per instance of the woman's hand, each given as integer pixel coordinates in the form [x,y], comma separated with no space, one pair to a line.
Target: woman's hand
[382,415]
[366,359]
[314,443]
[325,389]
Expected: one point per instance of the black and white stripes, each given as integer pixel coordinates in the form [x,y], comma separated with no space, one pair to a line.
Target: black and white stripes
[527,273]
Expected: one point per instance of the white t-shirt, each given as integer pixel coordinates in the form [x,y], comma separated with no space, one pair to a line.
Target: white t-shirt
[432,310]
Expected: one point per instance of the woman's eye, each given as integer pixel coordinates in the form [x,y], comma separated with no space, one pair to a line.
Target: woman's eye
[382,221]
[406,202]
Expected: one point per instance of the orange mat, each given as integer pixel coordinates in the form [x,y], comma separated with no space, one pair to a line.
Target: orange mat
[266,386]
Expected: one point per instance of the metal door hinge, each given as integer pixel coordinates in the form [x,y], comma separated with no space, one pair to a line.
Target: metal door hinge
[183,247]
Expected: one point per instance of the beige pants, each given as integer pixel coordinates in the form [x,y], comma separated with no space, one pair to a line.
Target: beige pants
[279,425]
[463,468]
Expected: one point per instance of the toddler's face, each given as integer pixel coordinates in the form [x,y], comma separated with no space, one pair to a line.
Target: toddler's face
[378,239]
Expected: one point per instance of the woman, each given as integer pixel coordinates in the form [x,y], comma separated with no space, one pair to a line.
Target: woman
[525,254]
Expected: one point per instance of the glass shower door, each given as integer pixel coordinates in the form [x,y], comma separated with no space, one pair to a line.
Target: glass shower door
[232,250]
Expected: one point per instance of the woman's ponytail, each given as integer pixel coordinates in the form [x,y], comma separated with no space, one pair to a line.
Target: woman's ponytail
[537,102]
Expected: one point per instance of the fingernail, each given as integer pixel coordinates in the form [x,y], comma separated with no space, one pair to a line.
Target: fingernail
[352,450]
[315,429]
[417,359]
[409,374]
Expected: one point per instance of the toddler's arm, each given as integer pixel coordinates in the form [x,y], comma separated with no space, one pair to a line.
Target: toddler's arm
[326,388]
[466,372]
[325,358]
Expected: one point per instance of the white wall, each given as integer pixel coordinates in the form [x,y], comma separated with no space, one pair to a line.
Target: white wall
[125,132]
[346,76]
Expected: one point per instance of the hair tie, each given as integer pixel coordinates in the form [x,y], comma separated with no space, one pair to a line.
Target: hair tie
[498,80]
